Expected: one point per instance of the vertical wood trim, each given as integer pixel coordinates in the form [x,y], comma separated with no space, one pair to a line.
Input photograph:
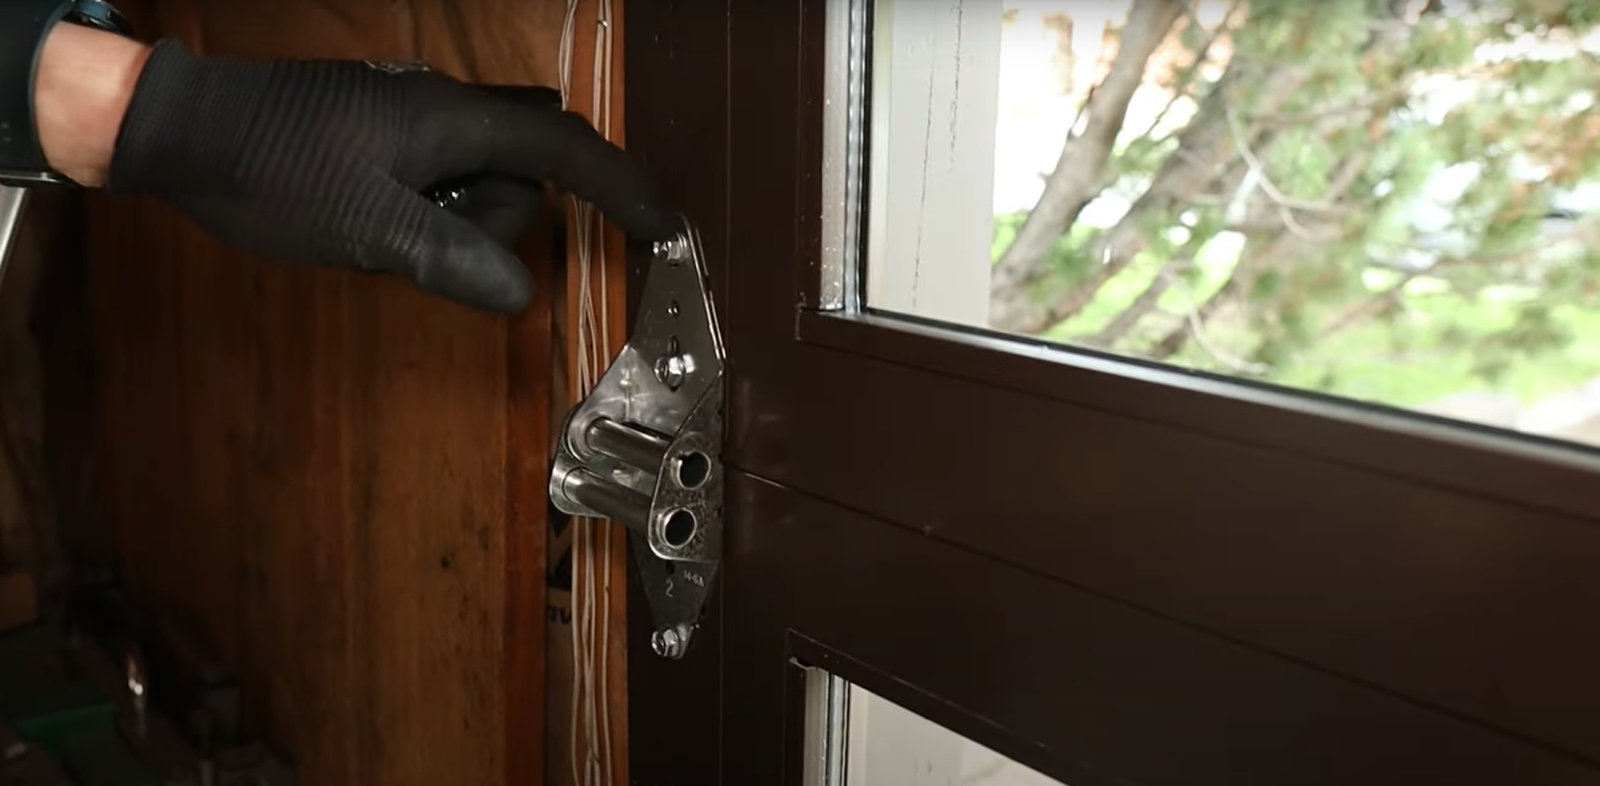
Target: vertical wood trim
[529,354]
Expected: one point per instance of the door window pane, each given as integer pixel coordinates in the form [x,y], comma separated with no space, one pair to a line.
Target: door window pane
[861,739]
[1396,201]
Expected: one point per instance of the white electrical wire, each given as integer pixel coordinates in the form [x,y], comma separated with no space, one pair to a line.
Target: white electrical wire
[603,60]
[591,610]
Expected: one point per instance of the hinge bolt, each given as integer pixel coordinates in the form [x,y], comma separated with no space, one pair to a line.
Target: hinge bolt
[672,367]
[675,250]
[667,643]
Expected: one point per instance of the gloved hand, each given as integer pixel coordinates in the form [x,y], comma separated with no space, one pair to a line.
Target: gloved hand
[326,162]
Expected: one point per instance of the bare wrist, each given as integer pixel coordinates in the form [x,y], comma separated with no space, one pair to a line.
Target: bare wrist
[84,82]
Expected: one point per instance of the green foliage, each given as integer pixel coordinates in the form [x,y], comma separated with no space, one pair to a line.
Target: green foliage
[1306,161]
[1440,45]
[1069,262]
[1439,269]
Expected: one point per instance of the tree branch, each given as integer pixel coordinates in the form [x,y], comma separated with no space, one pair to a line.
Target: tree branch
[1127,319]
[1240,279]
[1366,308]
[1263,179]
[1203,54]
[1204,147]
[1080,169]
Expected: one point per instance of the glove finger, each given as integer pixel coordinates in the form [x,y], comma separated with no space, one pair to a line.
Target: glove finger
[527,95]
[447,255]
[539,142]
[503,208]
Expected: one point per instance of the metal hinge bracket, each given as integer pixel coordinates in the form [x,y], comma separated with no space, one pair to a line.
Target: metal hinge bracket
[644,448]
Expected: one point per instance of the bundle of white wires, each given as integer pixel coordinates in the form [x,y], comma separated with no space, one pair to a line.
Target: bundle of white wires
[591,539]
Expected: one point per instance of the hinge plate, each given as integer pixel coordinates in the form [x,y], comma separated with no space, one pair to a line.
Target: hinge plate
[644,448]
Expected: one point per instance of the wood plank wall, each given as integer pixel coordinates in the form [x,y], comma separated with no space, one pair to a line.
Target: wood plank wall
[332,481]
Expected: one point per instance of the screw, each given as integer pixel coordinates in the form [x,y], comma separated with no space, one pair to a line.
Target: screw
[672,367]
[675,250]
[667,643]
[447,196]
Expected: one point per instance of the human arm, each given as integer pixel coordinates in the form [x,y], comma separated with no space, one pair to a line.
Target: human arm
[326,161]
[81,90]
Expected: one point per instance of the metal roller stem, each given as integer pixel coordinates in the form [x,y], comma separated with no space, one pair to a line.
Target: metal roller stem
[612,500]
[626,443]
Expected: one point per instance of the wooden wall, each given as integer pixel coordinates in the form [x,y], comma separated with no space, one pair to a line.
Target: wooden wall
[333,481]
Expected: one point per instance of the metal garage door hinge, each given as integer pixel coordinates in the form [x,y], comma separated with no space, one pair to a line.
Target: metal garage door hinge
[644,448]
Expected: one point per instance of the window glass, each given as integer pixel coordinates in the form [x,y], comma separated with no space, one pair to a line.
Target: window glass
[1396,201]
[861,739]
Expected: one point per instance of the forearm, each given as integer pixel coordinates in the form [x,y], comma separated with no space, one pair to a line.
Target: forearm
[320,161]
[85,79]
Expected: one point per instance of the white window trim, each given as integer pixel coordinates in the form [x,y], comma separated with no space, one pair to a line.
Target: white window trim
[855,738]
[935,108]
[934,111]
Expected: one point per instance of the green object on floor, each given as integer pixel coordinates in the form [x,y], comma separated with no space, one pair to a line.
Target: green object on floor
[51,701]
[44,693]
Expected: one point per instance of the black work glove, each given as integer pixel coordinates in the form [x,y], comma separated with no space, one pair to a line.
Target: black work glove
[327,162]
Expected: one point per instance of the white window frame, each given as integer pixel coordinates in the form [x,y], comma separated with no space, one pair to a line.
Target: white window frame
[935,70]
[857,738]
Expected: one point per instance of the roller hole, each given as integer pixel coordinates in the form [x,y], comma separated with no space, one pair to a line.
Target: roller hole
[679,528]
[693,469]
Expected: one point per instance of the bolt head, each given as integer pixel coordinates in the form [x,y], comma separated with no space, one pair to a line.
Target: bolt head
[674,251]
[666,643]
[445,197]
[671,369]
